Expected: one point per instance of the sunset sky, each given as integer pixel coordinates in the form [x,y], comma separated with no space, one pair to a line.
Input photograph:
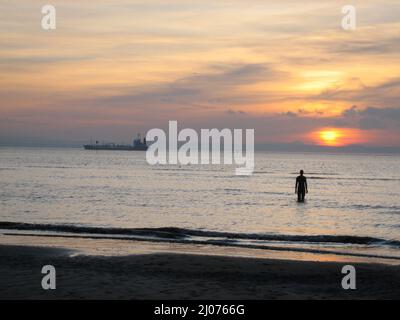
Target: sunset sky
[286,68]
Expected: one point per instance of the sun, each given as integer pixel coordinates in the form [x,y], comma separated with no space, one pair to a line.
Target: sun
[334,137]
[338,137]
[329,137]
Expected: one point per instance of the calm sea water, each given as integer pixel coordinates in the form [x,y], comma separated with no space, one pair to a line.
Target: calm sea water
[351,197]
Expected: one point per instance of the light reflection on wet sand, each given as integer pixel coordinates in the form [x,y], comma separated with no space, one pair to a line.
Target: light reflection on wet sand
[105,247]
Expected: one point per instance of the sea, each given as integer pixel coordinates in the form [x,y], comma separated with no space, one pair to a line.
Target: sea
[352,208]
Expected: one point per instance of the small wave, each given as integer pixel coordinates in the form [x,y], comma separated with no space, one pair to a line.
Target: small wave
[89,230]
[263,172]
[391,209]
[190,169]
[352,178]
[320,173]
[182,233]
[48,167]
[274,193]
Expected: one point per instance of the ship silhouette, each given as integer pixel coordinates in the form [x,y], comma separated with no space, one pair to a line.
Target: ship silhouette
[137,145]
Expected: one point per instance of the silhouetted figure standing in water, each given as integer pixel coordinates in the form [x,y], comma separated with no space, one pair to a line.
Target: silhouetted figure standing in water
[301,187]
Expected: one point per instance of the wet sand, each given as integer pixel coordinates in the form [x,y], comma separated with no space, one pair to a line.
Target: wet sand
[185,276]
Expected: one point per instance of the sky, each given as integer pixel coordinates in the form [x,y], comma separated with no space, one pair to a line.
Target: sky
[113,68]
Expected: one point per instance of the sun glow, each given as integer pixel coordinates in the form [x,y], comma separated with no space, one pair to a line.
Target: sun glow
[337,137]
[329,137]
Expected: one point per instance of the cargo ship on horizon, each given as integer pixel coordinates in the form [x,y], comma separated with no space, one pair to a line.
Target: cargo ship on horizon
[137,145]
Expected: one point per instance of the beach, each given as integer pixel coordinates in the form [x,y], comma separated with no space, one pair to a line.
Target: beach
[183,272]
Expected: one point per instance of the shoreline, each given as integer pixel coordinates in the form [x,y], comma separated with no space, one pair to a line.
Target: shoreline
[343,247]
[106,246]
[153,271]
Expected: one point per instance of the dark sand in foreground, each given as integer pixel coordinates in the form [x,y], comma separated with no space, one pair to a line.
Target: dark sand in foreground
[185,276]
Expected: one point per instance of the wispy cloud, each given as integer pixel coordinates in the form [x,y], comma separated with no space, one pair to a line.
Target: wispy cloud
[284,67]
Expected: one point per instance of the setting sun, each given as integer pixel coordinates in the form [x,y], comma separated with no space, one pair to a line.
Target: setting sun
[330,137]
[337,137]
